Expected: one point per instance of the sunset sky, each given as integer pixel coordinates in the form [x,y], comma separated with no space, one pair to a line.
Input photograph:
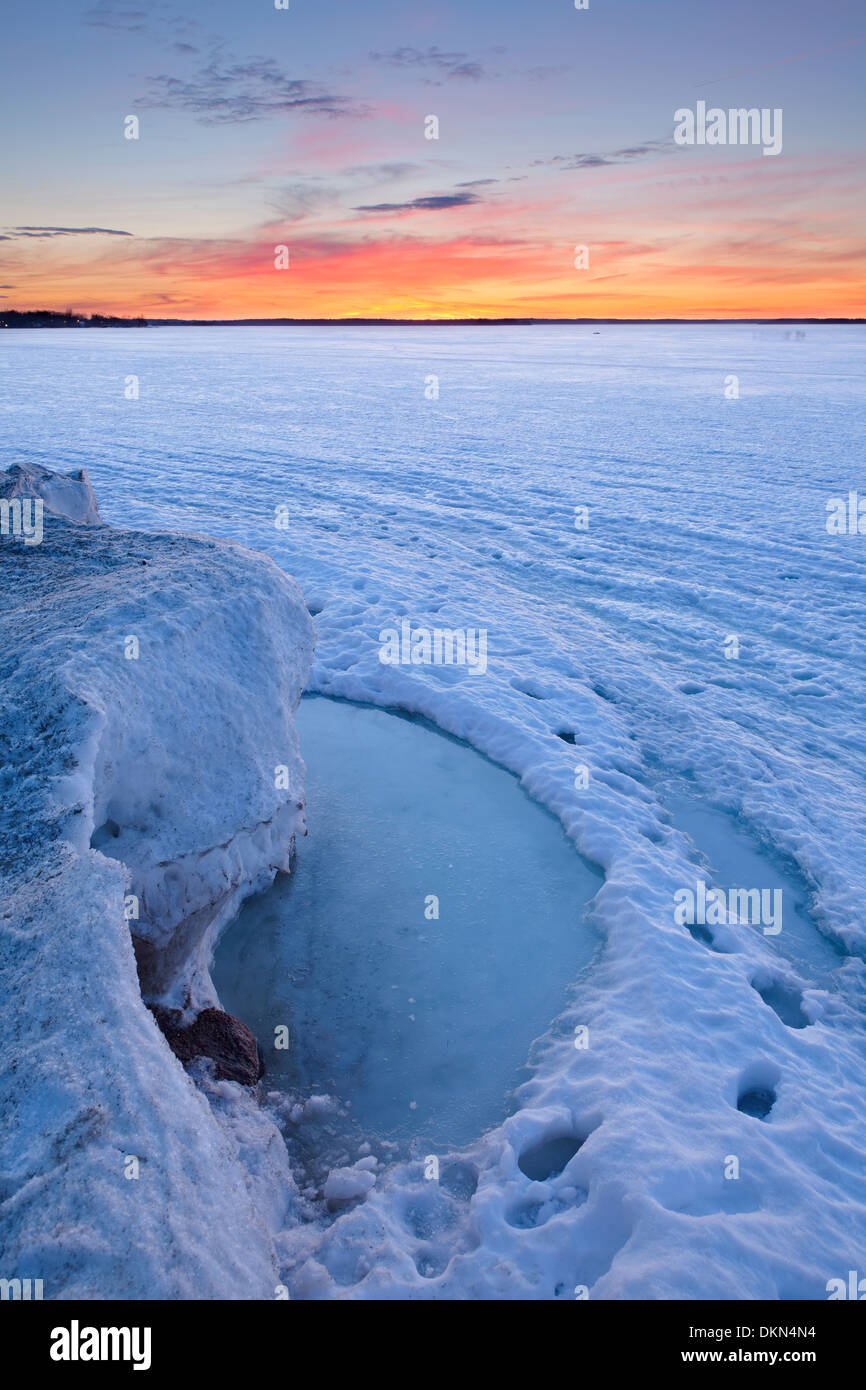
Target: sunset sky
[306,128]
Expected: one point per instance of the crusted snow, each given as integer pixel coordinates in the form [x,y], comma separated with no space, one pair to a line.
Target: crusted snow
[178,748]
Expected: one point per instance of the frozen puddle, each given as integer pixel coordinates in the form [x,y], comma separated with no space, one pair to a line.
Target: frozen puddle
[419,1026]
[735,860]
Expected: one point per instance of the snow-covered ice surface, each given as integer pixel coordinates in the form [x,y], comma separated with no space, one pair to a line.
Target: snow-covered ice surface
[707,520]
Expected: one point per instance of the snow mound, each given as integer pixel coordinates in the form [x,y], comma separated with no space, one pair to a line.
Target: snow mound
[150,779]
[63,494]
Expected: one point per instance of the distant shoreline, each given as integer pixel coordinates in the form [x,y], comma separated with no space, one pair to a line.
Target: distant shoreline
[48,319]
[469,323]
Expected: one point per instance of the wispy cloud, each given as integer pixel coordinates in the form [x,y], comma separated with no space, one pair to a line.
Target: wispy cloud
[110,15]
[598,161]
[384,169]
[296,201]
[307,196]
[779,62]
[546,71]
[249,90]
[447,64]
[160,22]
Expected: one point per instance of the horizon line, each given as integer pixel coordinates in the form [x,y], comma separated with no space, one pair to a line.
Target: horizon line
[469,320]
[498,319]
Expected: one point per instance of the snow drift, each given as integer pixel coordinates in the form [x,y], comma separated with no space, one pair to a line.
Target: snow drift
[67,495]
[151,779]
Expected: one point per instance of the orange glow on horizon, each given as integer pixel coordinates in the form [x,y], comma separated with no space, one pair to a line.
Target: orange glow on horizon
[405,277]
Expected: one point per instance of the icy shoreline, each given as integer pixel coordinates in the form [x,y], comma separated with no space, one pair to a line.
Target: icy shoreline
[148,697]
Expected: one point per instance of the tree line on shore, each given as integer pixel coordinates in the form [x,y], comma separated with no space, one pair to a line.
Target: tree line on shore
[49,318]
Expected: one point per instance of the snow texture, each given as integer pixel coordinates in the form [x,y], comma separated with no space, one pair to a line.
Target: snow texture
[707,519]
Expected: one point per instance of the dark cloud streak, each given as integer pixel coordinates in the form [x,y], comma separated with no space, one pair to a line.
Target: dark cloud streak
[431,204]
[63,231]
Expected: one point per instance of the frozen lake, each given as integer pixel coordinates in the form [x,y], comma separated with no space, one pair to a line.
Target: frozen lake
[680,684]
